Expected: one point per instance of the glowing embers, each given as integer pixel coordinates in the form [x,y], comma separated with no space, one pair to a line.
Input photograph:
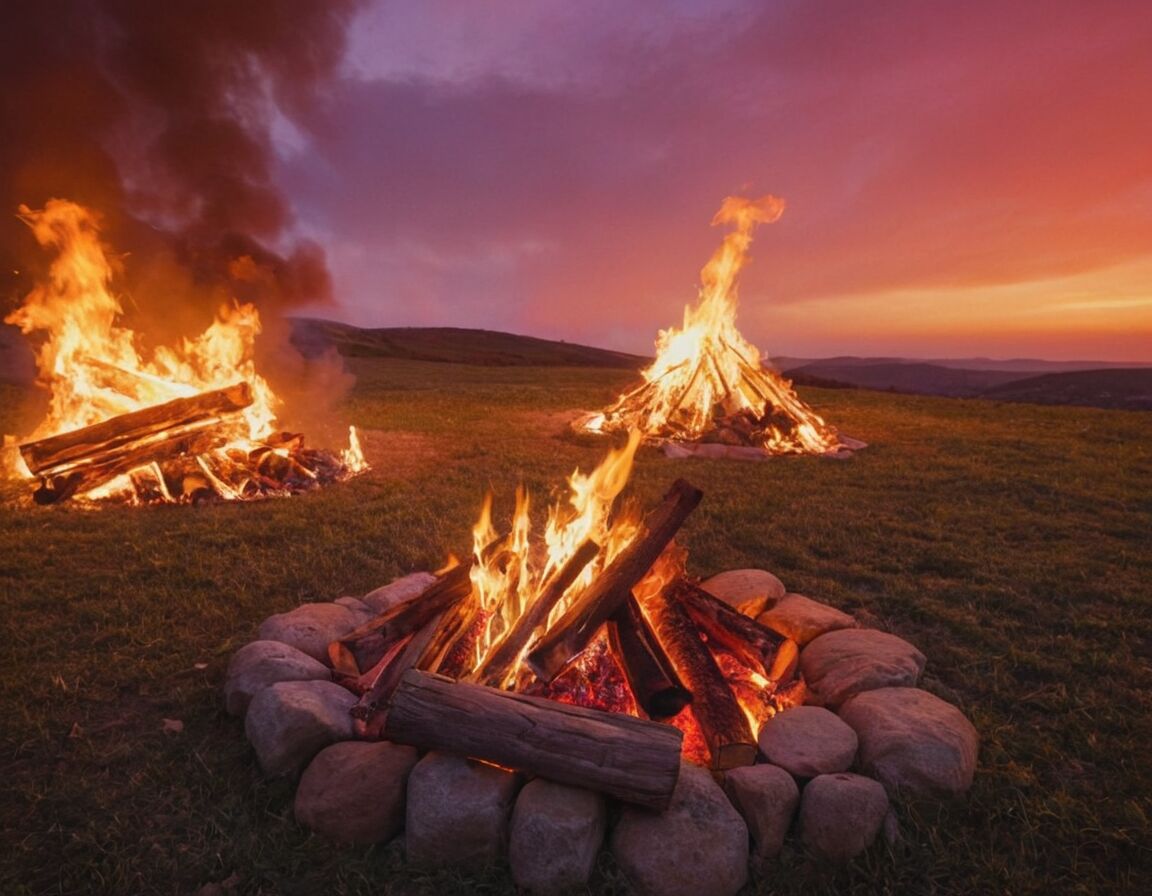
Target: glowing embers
[707,384]
[187,423]
[593,611]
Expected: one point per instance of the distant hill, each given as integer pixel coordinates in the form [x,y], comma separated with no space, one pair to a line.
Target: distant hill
[907,376]
[454,345]
[1126,389]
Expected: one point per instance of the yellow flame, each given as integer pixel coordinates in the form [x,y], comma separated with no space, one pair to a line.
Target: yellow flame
[707,370]
[508,573]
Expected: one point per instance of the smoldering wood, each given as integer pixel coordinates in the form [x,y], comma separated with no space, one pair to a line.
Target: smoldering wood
[455,621]
[502,659]
[632,759]
[134,430]
[365,645]
[725,727]
[754,644]
[604,596]
[654,683]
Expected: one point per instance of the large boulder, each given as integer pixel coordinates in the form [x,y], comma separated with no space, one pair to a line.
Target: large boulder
[802,619]
[748,590]
[398,590]
[698,846]
[458,812]
[766,796]
[913,741]
[360,610]
[310,627]
[259,664]
[846,662]
[291,721]
[354,791]
[807,741]
[557,832]
[841,814]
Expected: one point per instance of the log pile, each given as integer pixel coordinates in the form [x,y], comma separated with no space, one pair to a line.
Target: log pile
[181,450]
[424,679]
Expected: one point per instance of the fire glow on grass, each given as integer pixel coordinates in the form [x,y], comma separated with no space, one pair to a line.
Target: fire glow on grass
[94,372]
[707,382]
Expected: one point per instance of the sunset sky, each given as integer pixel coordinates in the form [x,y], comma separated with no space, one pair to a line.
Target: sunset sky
[961,178]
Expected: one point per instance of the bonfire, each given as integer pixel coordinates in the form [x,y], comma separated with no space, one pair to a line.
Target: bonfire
[708,384]
[586,626]
[186,423]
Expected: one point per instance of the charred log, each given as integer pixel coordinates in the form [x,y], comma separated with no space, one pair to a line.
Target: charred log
[654,683]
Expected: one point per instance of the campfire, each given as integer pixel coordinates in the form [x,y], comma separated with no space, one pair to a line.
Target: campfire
[584,627]
[188,423]
[707,384]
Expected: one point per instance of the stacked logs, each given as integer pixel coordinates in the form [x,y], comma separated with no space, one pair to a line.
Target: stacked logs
[420,682]
[177,451]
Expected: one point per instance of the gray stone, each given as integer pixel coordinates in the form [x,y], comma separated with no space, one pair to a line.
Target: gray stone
[361,610]
[802,619]
[458,812]
[807,741]
[398,590]
[557,832]
[914,741]
[849,661]
[291,721]
[750,591]
[354,791]
[310,627]
[766,796]
[841,814]
[697,847]
[259,664]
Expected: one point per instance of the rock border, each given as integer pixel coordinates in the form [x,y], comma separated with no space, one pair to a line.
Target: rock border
[868,736]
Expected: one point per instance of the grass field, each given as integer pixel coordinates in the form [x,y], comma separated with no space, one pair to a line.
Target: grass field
[1011,543]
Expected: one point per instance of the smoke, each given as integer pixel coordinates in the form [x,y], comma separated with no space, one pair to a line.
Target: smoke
[160,116]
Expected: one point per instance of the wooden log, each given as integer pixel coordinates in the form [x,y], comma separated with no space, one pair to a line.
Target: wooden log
[725,727]
[654,683]
[375,699]
[503,658]
[456,621]
[365,645]
[631,759]
[753,644]
[604,596]
[128,431]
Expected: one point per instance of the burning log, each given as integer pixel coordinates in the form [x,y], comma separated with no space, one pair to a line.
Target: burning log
[631,759]
[754,644]
[375,699]
[604,597]
[85,458]
[654,683]
[725,727]
[363,647]
[503,658]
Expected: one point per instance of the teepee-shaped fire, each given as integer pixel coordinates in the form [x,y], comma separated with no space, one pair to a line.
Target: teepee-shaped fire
[707,383]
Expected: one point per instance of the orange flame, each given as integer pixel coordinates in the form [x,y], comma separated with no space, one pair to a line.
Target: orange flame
[94,370]
[707,370]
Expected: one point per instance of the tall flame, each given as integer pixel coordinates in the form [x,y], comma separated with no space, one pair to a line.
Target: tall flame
[707,376]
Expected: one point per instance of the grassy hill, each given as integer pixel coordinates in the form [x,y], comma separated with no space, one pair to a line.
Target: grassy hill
[1009,542]
[1127,389]
[452,345]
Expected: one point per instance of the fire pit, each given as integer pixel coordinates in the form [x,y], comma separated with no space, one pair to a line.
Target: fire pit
[707,393]
[587,660]
[189,423]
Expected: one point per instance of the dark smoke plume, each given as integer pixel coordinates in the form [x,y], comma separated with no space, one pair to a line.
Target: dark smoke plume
[160,116]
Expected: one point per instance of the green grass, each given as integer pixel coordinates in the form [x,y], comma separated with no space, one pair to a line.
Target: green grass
[1010,542]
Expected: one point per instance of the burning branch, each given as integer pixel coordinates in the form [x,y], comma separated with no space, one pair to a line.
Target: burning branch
[611,588]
